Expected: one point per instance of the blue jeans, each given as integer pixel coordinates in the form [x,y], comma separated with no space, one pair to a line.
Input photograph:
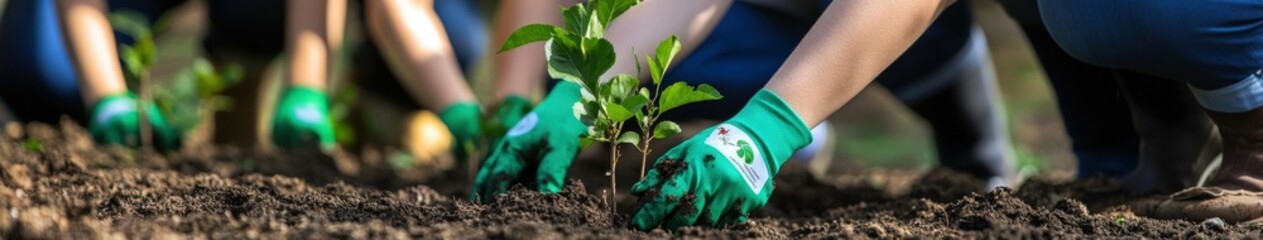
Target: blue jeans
[1108,111]
[1214,46]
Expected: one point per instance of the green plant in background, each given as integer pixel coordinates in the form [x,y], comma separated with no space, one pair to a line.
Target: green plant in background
[579,53]
[195,93]
[340,105]
[189,96]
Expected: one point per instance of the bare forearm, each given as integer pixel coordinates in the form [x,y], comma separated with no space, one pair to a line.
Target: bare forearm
[847,48]
[416,47]
[90,39]
[518,72]
[308,42]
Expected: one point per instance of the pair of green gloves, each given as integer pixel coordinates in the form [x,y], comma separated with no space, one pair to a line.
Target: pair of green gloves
[715,178]
[301,120]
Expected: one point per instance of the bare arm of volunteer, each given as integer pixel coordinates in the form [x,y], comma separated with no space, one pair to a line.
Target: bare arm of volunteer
[848,47]
[416,47]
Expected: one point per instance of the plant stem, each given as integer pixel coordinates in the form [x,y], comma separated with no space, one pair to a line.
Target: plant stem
[644,152]
[146,140]
[613,167]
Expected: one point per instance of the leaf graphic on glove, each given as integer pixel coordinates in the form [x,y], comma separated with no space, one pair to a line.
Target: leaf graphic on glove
[745,151]
[739,149]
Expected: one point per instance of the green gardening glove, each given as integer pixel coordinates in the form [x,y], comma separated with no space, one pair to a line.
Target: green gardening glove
[511,110]
[462,120]
[302,120]
[116,121]
[546,139]
[721,174]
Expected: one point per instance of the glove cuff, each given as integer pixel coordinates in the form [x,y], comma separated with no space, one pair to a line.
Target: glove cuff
[459,111]
[303,92]
[515,101]
[773,124]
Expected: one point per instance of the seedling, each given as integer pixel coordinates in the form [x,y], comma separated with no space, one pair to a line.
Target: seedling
[579,53]
[138,59]
[185,99]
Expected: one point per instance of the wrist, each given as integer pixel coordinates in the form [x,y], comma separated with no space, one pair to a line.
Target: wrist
[777,129]
[513,101]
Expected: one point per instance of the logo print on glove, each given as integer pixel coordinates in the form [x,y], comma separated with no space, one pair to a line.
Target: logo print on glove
[745,151]
[525,125]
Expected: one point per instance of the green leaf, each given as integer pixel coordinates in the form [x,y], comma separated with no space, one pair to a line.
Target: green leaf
[666,129]
[584,142]
[608,10]
[617,113]
[634,103]
[528,34]
[576,18]
[231,73]
[570,63]
[599,58]
[131,23]
[629,137]
[148,50]
[680,94]
[666,52]
[621,86]
[132,60]
[584,112]
[636,58]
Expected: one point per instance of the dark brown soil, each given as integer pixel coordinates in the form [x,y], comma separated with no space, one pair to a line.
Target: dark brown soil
[56,184]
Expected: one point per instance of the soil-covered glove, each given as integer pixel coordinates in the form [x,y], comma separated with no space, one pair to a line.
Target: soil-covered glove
[463,121]
[302,120]
[721,174]
[537,151]
[116,121]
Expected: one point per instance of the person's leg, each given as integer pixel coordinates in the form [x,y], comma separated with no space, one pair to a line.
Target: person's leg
[967,119]
[249,33]
[1214,46]
[946,77]
[1172,129]
[1093,111]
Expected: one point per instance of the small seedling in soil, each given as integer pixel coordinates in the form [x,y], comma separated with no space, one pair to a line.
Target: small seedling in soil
[579,53]
[33,145]
[138,60]
[189,96]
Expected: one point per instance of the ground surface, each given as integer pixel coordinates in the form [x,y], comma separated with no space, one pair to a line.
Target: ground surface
[55,184]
